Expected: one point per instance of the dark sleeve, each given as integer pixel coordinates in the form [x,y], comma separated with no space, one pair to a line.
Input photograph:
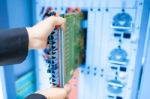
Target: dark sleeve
[13,46]
[36,96]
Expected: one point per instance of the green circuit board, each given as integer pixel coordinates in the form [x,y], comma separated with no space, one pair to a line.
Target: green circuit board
[73,44]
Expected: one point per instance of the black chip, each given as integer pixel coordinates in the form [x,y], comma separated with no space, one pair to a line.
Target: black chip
[117,34]
[118,97]
[124,69]
[127,35]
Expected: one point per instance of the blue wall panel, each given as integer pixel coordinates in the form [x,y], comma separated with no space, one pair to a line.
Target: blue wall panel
[19,12]
[14,14]
[3,14]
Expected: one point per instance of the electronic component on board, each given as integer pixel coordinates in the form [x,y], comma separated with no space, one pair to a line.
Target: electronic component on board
[65,50]
[53,53]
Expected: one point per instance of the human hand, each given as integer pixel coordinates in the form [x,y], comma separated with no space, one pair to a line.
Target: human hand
[38,34]
[55,93]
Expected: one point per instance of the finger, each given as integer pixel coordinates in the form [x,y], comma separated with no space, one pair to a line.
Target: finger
[63,92]
[67,89]
[57,20]
[57,14]
[53,86]
[63,26]
[60,93]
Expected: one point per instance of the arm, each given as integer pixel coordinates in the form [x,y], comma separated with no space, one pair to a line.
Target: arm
[14,43]
[13,46]
[38,41]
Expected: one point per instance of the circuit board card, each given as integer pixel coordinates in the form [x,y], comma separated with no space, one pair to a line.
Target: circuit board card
[66,49]
[73,44]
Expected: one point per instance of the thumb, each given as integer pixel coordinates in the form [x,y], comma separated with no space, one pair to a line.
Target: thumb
[67,89]
[57,20]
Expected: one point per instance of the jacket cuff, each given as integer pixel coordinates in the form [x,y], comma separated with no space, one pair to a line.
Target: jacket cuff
[36,96]
[14,46]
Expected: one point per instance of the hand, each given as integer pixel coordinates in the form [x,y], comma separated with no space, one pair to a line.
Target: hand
[39,33]
[55,93]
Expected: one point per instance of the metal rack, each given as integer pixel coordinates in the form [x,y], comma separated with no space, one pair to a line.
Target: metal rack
[113,50]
